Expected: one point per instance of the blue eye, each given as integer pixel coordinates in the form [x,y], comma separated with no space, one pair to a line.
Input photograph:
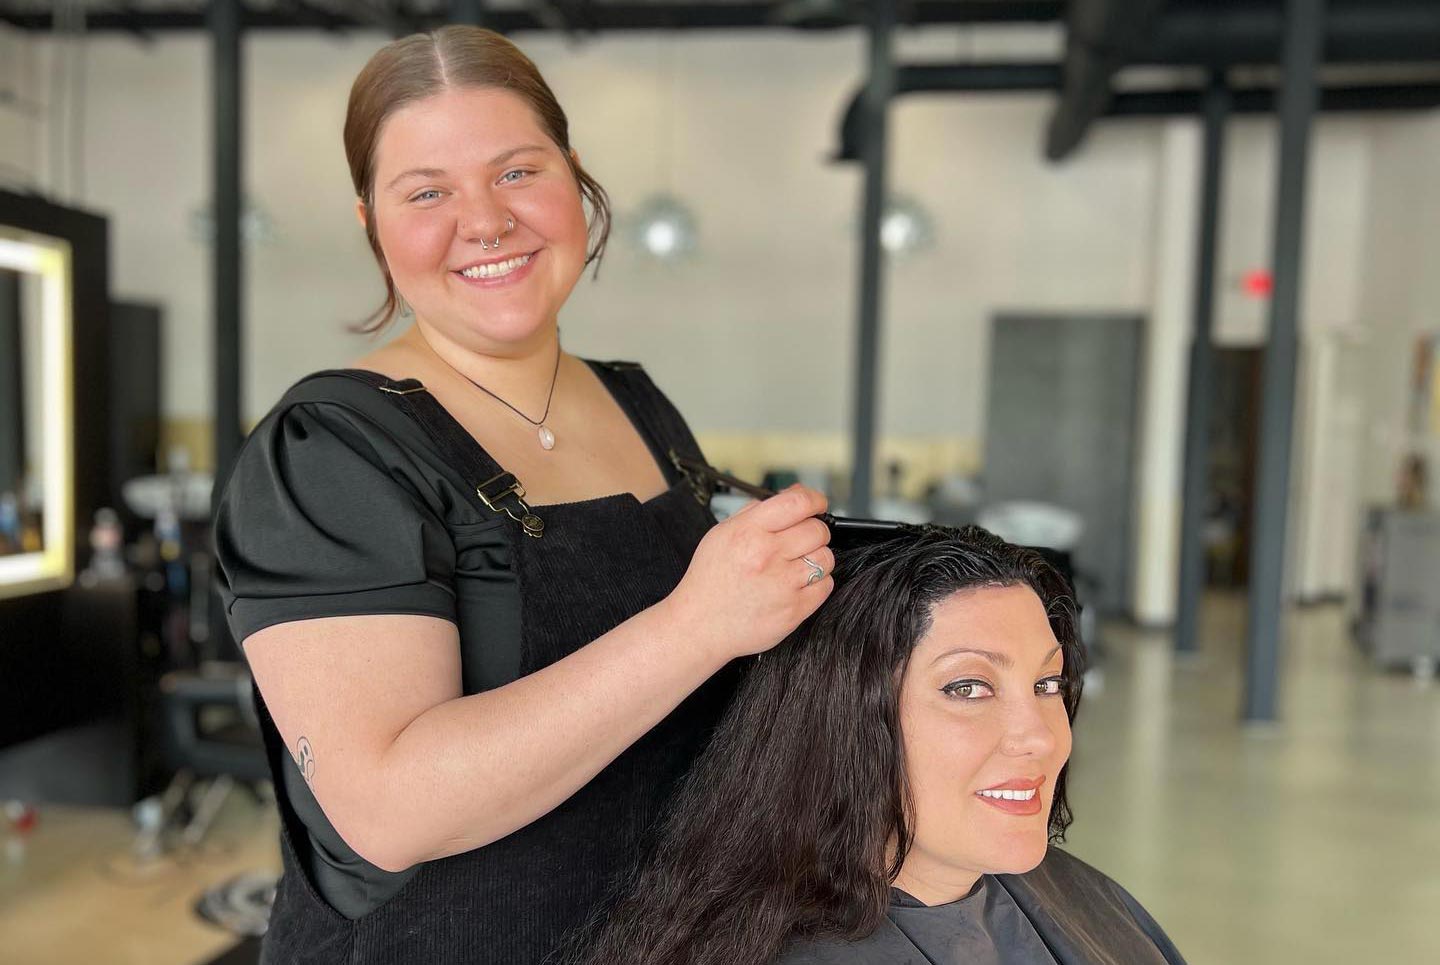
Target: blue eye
[1050,687]
[509,177]
[968,690]
[426,194]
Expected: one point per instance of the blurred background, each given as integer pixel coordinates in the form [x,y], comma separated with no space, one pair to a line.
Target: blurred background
[1152,283]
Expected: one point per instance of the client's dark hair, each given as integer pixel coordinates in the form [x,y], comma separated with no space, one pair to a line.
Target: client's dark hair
[797,818]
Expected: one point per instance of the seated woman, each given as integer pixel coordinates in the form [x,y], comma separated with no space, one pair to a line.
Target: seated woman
[887,786]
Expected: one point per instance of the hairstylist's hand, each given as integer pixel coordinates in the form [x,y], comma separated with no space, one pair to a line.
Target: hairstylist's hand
[747,586]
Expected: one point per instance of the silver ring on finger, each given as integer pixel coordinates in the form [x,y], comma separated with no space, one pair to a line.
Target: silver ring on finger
[817,572]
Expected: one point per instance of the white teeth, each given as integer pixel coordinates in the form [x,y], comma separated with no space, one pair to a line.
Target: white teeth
[1010,795]
[496,269]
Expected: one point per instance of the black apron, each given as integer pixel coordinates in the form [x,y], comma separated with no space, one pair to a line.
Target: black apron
[596,564]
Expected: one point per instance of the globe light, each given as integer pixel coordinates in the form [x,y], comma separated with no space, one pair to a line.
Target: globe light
[906,227]
[662,238]
[664,228]
[256,225]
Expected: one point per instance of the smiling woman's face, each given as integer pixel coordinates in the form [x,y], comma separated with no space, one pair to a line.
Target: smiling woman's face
[450,171]
[982,712]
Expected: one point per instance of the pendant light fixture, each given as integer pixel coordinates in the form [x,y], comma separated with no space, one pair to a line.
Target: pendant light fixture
[906,227]
[662,226]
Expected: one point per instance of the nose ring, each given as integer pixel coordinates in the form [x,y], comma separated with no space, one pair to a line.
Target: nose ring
[509,227]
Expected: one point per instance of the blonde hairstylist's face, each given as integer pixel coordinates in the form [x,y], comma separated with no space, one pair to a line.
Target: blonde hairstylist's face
[985,731]
[450,171]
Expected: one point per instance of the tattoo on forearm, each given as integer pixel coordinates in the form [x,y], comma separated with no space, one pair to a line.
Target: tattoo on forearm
[305,759]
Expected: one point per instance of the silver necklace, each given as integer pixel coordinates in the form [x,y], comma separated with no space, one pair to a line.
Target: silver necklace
[547,437]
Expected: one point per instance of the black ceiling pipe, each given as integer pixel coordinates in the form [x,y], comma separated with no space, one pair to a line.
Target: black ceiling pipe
[1228,33]
[470,12]
[600,17]
[1101,37]
[937,78]
[303,12]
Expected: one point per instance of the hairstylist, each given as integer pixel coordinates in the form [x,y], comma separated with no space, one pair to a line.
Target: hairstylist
[476,703]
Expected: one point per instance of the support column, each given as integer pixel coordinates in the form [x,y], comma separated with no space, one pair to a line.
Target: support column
[1216,110]
[1304,34]
[224,20]
[878,91]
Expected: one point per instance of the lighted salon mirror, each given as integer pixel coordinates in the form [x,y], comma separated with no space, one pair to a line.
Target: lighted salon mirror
[36,411]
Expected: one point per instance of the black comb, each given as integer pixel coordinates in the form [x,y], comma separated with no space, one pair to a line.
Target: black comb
[705,480]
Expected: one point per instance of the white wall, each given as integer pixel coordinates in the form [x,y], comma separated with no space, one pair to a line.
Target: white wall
[1323,516]
[754,334]
[1015,234]
[1335,212]
[1400,296]
[1159,450]
[1332,272]
[21,112]
[769,301]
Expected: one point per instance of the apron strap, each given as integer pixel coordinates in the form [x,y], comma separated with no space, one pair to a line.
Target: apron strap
[657,419]
[664,431]
[500,491]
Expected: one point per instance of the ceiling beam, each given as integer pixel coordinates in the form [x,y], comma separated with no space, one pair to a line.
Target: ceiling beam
[1363,98]
[1105,36]
[601,17]
[994,78]
[1229,33]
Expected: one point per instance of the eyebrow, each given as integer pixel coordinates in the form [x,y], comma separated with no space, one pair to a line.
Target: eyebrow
[415,173]
[504,156]
[999,659]
[500,158]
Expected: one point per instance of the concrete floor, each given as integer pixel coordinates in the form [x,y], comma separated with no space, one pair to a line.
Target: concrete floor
[1314,841]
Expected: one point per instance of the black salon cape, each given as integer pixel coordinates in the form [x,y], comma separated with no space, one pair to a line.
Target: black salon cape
[1082,917]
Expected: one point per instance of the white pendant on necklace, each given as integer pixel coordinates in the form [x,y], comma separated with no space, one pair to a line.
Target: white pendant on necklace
[547,438]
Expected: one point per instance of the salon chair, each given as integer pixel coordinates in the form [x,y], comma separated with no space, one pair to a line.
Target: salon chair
[212,722]
[213,746]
